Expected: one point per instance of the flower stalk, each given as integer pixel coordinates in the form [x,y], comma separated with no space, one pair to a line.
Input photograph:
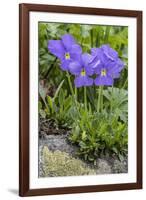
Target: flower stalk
[70,84]
[72,92]
[111,101]
[100,99]
[76,94]
[85,98]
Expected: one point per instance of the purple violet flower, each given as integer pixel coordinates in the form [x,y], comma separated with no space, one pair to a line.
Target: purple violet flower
[81,69]
[66,49]
[106,64]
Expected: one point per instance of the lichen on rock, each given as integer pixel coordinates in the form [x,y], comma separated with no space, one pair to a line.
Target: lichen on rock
[59,163]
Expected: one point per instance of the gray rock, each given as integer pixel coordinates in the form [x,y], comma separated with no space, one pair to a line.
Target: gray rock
[103,167]
[58,142]
[120,166]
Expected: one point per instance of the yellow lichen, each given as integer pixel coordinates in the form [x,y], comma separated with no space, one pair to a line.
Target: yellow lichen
[59,163]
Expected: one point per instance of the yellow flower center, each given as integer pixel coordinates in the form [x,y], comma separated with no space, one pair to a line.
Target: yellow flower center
[67,56]
[83,73]
[103,72]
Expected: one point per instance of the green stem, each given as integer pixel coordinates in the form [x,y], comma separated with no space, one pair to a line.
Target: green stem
[85,98]
[76,94]
[107,32]
[70,84]
[98,38]
[82,40]
[91,33]
[99,99]
[50,69]
[111,103]
[72,92]
[125,84]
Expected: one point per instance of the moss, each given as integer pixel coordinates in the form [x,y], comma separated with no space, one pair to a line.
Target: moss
[59,163]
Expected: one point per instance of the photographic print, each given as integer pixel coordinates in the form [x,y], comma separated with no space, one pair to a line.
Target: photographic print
[83,99]
[80,100]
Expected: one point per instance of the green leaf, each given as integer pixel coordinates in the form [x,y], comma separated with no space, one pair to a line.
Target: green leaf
[50,102]
[43,92]
[42,113]
[121,158]
[115,150]
[84,136]
[118,100]
[61,98]
[85,30]
[58,89]
[39,105]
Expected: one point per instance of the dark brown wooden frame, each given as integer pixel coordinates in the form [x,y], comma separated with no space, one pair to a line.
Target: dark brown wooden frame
[24,10]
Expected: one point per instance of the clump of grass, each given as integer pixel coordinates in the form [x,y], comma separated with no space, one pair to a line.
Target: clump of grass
[59,163]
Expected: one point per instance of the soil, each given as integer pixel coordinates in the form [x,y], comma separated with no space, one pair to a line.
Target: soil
[49,127]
